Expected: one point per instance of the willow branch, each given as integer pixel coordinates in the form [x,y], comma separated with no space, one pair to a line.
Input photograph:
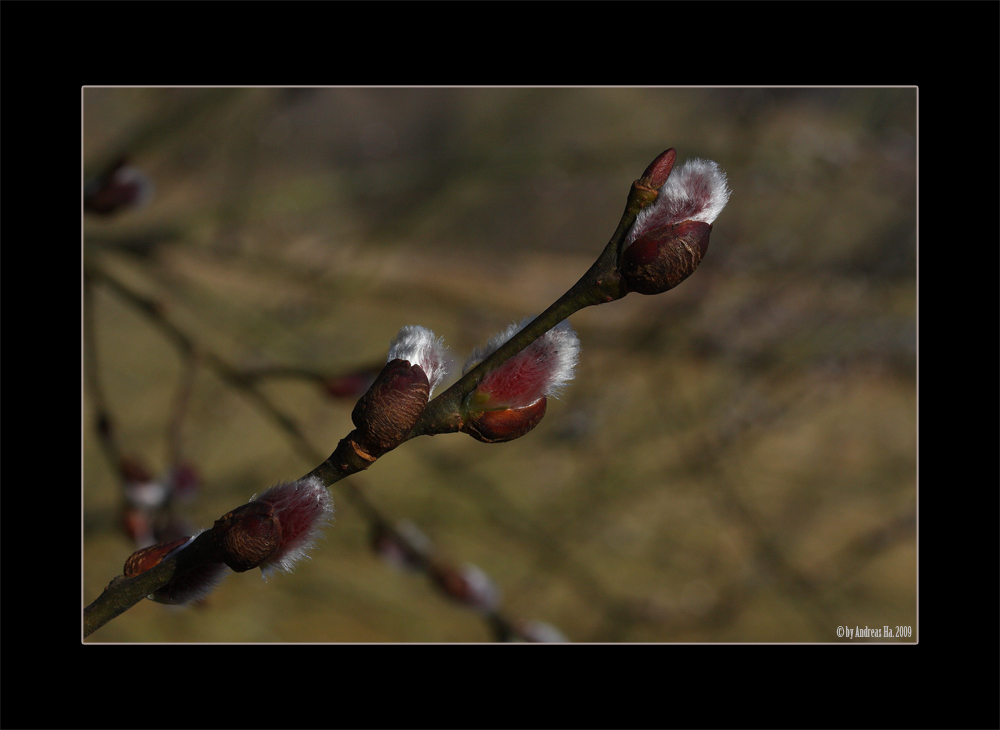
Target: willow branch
[668,254]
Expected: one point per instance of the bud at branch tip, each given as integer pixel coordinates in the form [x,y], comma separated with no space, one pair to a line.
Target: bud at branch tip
[670,236]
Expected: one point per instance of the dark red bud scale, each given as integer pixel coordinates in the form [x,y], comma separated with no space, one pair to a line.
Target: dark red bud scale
[662,258]
[248,535]
[493,427]
[142,560]
[451,581]
[658,171]
[387,413]
[119,187]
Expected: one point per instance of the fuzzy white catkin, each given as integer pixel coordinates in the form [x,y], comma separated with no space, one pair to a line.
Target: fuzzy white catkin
[418,346]
[697,191]
[193,586]
[544,366]
[303,507]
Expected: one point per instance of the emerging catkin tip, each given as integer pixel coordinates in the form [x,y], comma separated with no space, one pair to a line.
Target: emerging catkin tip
[696,191]
[418,346]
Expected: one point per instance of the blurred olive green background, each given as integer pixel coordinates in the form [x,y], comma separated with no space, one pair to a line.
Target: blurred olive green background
[736,458]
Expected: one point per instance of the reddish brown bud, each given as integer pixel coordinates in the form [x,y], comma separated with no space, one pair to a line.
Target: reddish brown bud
[133,470]
[189,586]
[142,560]
[467,584]
[662,258]
[402,545]
[248,535]
[493,427]
[137,525]
[120,187]
[391,407]
[658,171]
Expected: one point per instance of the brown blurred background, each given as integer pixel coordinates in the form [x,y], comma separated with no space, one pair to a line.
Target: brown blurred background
[735,460]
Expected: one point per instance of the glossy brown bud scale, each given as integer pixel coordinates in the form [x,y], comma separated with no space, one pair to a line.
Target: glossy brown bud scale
[387,413]
[142,560]
[662,258]
[248,535]
[451,581]
[493,427]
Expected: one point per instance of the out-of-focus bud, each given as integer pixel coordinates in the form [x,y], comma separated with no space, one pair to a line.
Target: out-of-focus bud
[405,547]
[141,490]
[351,385]
[670,236]
[133,469]
[511,400]
[147,495]
[189,587]
[540,632]
[386,414]
[468,585]
[183,481]
[137,525]
[121,187]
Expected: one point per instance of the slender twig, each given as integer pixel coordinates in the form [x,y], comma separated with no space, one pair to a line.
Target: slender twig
[602,283]
[123,593]
[104,424]
[175,447]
